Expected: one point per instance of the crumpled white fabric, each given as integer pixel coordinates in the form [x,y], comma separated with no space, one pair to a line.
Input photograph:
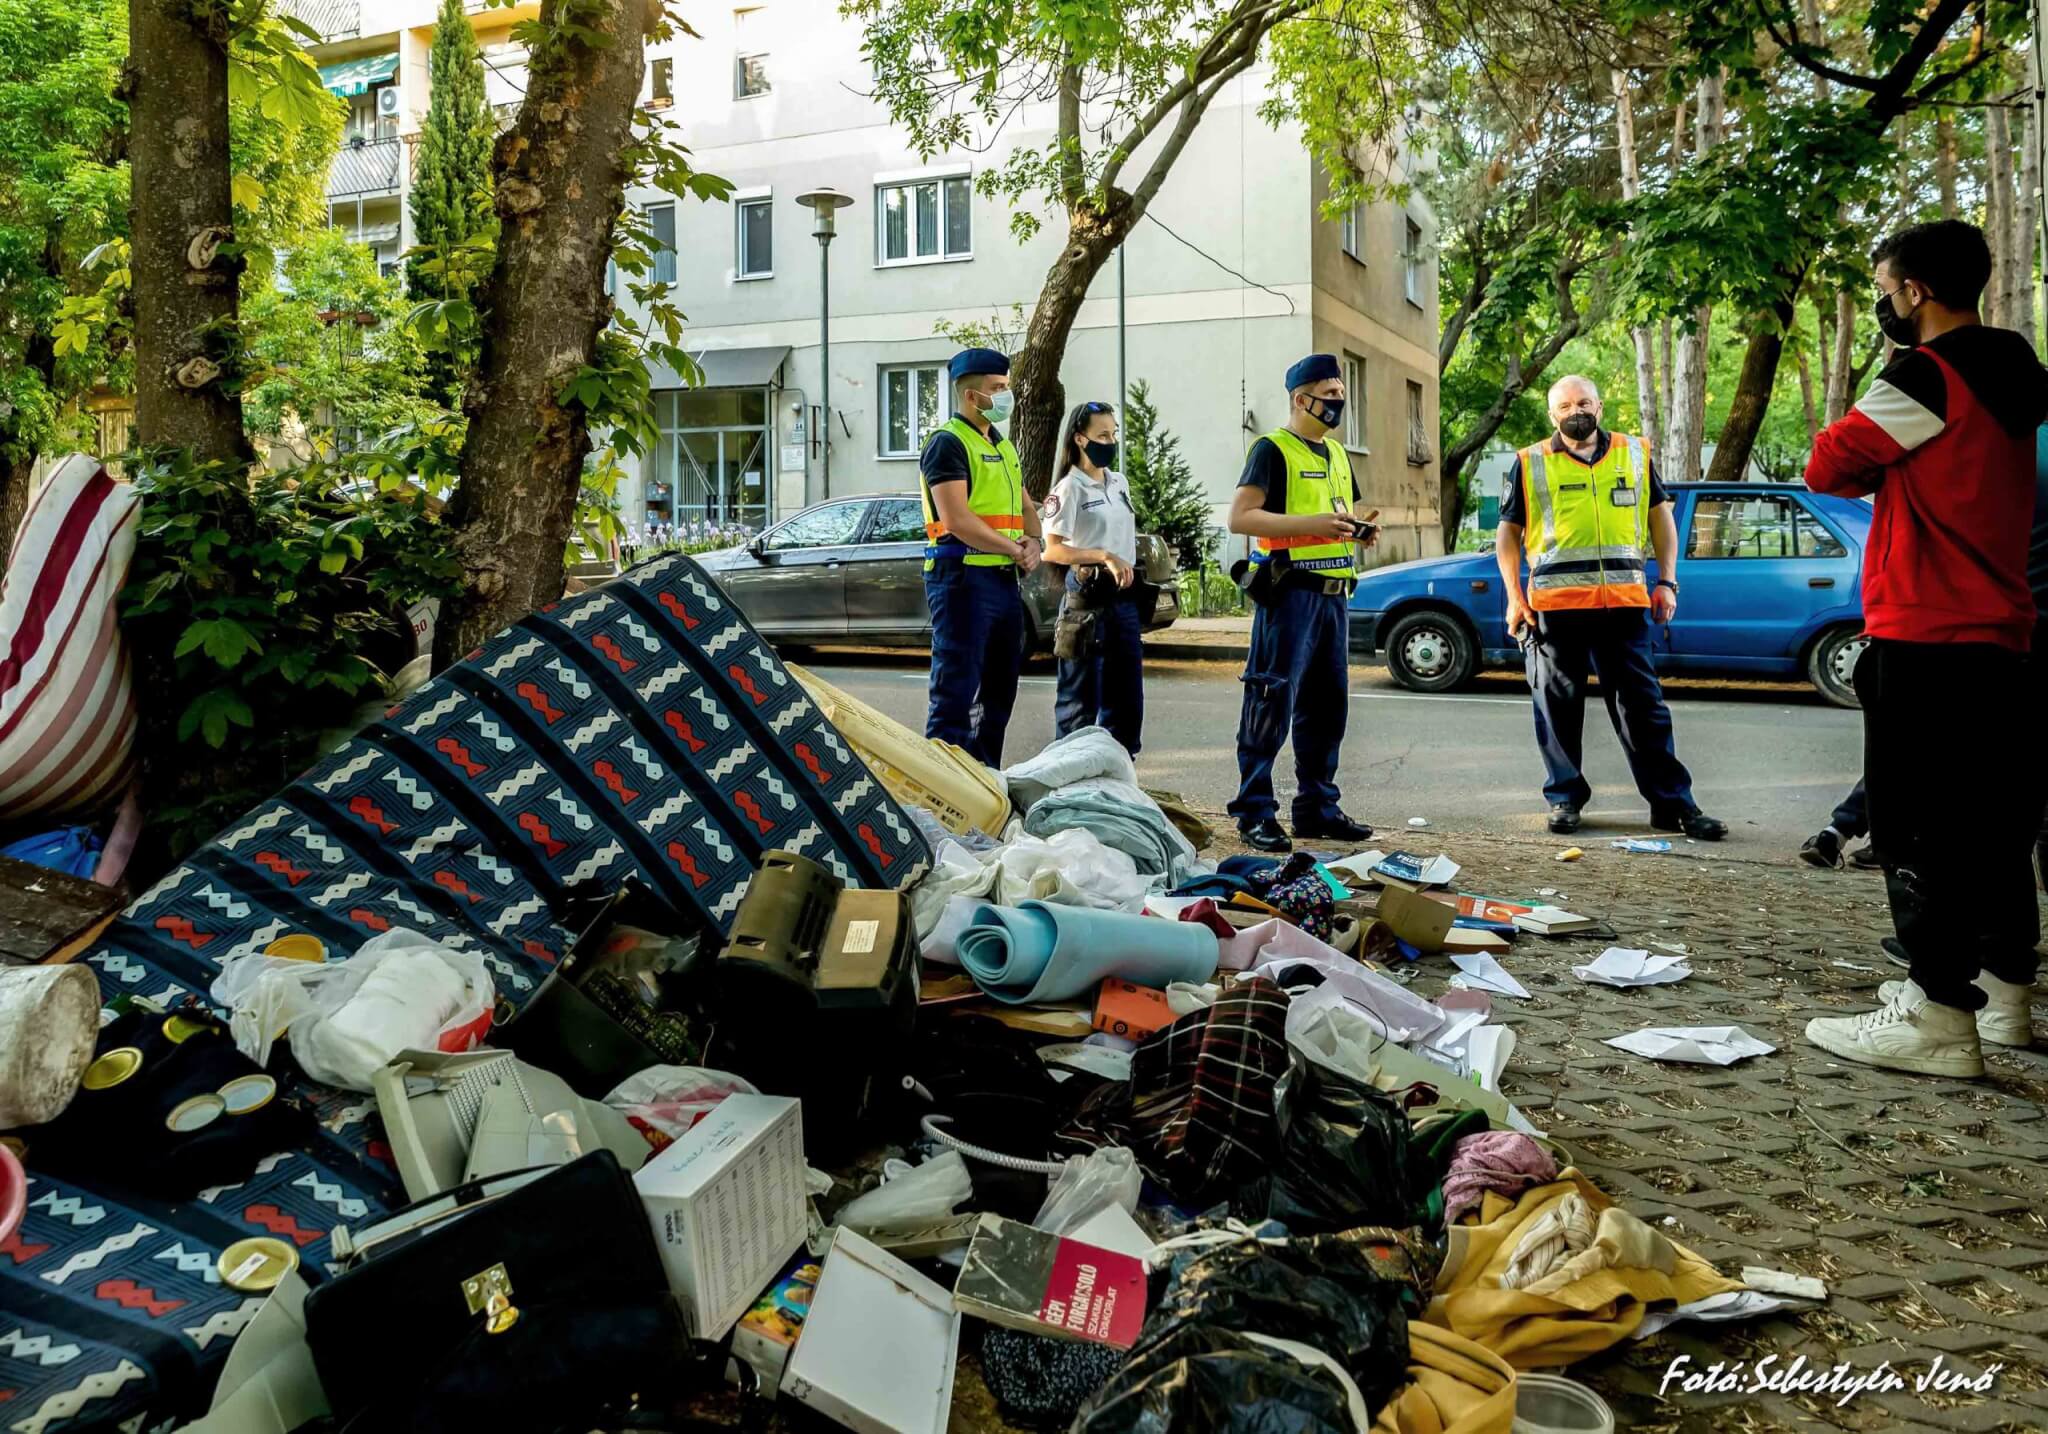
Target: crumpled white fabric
[1069,868]
[1081,754]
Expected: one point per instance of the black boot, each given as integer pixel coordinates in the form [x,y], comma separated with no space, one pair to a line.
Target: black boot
[1265,834]
[1564,818]
[1336,827]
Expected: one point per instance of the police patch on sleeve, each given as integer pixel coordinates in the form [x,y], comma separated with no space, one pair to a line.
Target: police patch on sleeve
[1052,505]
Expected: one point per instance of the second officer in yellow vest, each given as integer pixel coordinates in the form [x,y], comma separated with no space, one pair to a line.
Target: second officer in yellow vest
[1585,509]
[981,531]
[1298,501]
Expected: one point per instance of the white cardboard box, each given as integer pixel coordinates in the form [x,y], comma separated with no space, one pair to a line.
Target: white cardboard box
[727,1205]
[878,1348]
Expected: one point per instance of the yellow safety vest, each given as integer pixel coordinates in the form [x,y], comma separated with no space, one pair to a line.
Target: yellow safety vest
[1587,526]
[995,491]
[1314,485]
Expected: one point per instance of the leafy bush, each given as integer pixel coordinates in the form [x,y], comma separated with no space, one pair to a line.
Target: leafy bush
[257,611]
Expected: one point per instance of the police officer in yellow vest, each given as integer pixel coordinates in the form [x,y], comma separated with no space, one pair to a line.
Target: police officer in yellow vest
[981,532]
[1585,508]
[1298,500]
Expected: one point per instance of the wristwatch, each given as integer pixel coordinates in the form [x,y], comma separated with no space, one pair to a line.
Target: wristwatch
[1667,583]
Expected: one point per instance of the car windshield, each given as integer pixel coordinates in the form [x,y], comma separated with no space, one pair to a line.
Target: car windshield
[824,526]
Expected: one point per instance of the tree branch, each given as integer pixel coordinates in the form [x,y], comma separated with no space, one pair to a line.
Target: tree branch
[1804,55]
[1888,99]
[1192,110]
[1468,305]
[1072,180]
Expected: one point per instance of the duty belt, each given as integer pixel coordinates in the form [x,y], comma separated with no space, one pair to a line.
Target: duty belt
[1328,587]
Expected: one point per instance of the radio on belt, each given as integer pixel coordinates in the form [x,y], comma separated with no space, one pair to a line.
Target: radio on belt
[817,986]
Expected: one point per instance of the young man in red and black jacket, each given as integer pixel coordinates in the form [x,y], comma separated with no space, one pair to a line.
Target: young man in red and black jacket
[1944,441]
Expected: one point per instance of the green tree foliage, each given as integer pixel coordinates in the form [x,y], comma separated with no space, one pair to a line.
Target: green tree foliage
[1167,498]
[451,194]
[329,351]
[277,601]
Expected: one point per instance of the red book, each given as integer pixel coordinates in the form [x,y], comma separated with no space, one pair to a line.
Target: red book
[1021,1277]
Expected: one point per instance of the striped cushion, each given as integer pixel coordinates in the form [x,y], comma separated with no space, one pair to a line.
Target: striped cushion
[67,707]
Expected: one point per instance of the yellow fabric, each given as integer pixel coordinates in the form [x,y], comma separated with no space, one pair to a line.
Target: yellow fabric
[995,491]
[1455,1387]
[1583,550]
[1601,1305]
[1314,485]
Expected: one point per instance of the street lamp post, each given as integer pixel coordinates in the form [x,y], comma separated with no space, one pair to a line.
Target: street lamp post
[825,202]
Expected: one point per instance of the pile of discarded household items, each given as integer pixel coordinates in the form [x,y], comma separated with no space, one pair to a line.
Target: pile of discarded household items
[630,1025]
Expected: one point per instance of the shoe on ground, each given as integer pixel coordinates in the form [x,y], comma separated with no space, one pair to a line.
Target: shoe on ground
[1564,818]
[1335,827]
[1865,858]
[2007,1018]
[1695,824]
[1895,952]
[1266,835]
[1907,1033]
[1823,849]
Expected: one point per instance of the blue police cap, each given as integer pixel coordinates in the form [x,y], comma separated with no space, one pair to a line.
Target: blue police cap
[970,362]
[1313,369]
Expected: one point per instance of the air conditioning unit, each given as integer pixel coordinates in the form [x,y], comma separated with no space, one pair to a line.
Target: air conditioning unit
[387,102]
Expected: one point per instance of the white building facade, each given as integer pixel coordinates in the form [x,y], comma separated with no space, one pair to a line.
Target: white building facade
[1234,275]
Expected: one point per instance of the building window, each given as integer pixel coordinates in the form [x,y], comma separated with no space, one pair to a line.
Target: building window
[1353,230]
[1354,402]
[924,220]
[1418,434]
[661,221]
[1412,261]
[912,407]
[756,245]
[750,76]
[664,81]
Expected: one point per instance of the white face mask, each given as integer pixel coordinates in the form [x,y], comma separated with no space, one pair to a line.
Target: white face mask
[997,406]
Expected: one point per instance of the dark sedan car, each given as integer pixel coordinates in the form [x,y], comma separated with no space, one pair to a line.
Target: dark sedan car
[852,569]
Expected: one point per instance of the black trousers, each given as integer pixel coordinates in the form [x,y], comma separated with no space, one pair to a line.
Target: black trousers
[1953,764]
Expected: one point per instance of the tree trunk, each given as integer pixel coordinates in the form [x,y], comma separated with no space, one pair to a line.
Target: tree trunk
[1842,373]
[2026,233]
[1035,373]
[13,500]
[1648,417]
[1945,161]
[180,218]
[1686,419]
[1752,398]
[1806,396]
[561,182]
[1998,214]
[1664,364]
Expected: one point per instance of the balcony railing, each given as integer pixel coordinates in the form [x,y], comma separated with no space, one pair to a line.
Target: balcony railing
[333,19]
[364,170]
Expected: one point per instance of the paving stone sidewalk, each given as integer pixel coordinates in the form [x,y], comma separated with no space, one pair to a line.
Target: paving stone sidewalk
[1920,1201]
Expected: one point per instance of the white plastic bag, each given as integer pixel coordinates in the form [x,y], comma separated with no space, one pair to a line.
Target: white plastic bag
[1108,1176]
[345,1026]
[914,1199]
[663,1102]
[1083,753]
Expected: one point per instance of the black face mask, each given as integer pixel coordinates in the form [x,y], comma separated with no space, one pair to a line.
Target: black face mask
[1102,455]
[1894,325]
[1579,427]
[1327,411]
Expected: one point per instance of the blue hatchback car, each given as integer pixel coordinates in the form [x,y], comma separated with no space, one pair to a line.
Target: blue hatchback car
[1772,580]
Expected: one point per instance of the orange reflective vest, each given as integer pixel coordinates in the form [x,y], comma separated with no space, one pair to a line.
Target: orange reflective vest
[1587,531]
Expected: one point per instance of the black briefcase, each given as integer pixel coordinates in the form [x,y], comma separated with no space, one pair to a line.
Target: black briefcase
[525,1301]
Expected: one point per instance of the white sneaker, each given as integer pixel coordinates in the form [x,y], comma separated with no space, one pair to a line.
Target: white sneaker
[2007,1018]
[1907,1033]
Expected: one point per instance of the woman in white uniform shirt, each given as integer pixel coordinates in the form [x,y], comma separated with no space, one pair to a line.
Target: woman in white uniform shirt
[1092,530]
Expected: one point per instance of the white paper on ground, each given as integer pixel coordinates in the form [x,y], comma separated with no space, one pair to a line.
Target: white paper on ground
[1486,1054]
[1622,966]
[1358,865]
[1718,1309]
[1483,973]
[1783,1282]
[1698,1045]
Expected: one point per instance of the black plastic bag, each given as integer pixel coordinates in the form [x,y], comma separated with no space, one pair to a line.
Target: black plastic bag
[1193,1367]
[1344,1158]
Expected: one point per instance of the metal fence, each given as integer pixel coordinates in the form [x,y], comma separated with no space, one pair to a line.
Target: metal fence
[364,169]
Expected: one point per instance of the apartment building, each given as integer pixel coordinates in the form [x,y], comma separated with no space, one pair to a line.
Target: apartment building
[1235,274]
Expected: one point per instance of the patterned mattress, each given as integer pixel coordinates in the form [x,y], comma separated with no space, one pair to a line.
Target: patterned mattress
[641,730]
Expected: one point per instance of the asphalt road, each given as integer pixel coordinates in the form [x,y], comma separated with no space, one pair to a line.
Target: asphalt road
[1769,759]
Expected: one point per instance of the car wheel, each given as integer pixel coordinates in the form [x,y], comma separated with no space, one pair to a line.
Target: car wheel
[1831,666]
[1431,652]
